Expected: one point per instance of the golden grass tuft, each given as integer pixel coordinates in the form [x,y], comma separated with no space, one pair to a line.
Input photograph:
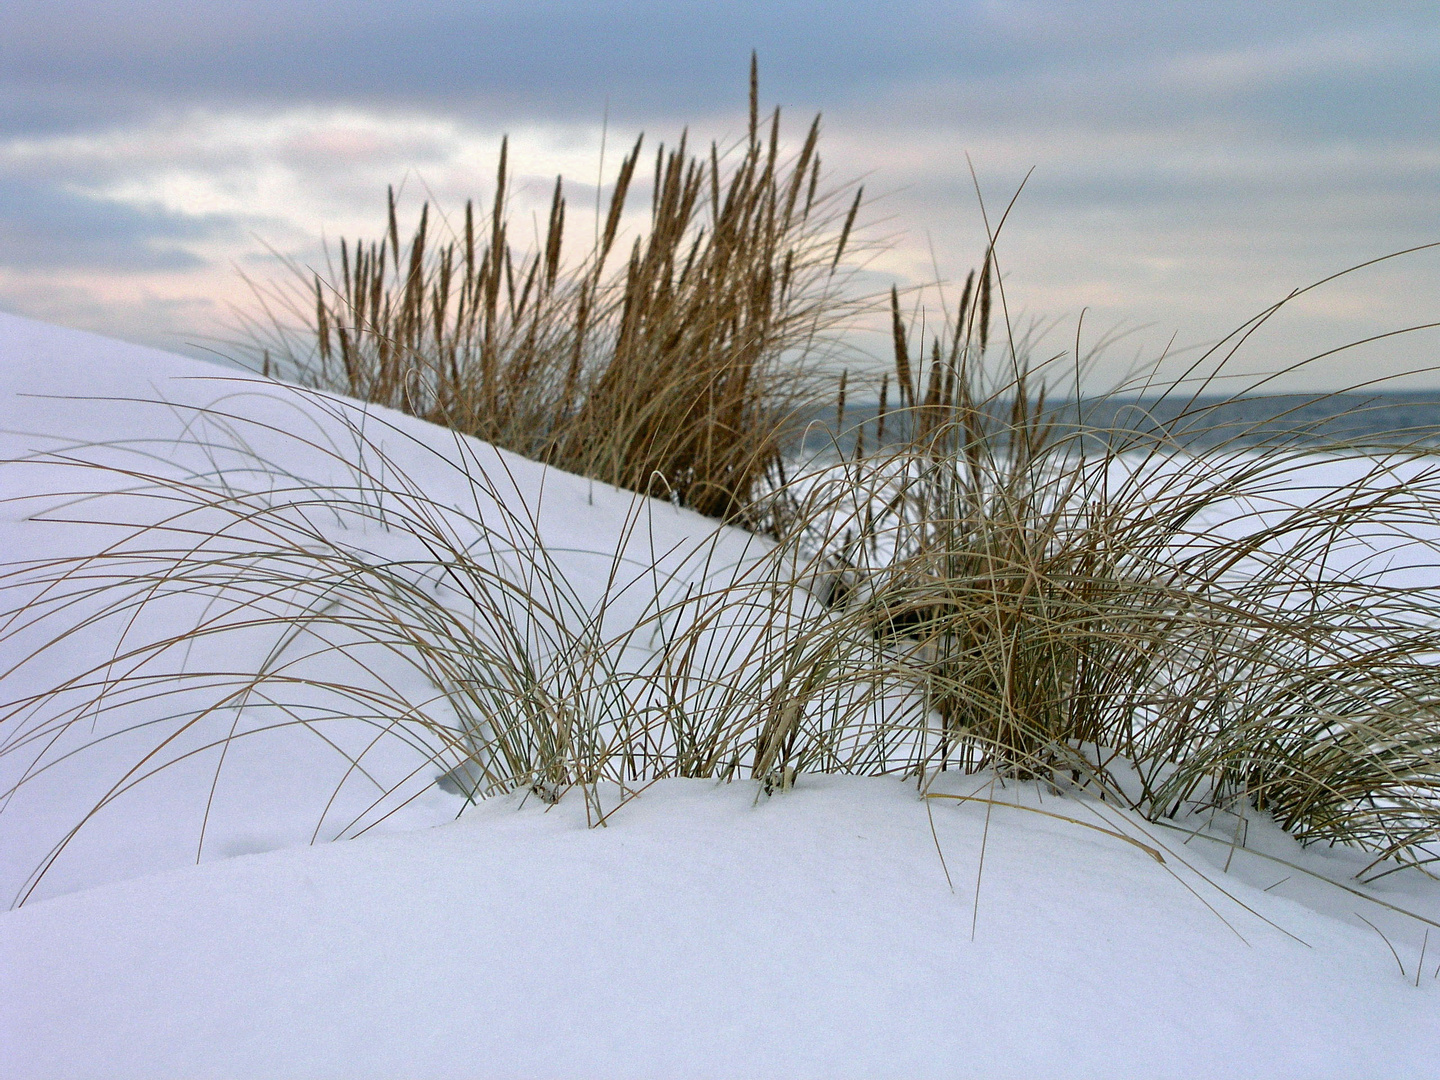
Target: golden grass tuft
[679,372]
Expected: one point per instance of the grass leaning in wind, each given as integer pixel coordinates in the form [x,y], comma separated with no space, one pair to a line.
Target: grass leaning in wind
[522,682]
[678,374]
[1010,592]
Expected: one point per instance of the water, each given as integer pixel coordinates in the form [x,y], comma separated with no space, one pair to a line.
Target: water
[1360,420]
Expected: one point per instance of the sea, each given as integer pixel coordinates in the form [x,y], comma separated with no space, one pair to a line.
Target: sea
[1360,421]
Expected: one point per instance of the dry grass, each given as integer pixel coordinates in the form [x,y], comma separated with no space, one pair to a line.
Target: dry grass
[1103,607]
[1010,589]
[678,373]
[1008,592]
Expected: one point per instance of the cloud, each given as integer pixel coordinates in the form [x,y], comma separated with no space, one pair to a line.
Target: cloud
[550,54]
[45,226]
[1190,160]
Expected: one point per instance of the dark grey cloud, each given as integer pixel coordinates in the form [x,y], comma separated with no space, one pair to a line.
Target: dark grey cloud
[44,226]
[560,55]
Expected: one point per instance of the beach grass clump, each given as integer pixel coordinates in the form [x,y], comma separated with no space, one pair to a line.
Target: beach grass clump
[1253,625]
[673,366]
[372,613]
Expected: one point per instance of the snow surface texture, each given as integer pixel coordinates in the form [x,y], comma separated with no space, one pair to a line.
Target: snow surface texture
[705,931]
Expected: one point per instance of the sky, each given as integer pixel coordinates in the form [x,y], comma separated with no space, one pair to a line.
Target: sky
[1188,164]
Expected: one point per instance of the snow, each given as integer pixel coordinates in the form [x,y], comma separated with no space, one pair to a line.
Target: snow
[846,927]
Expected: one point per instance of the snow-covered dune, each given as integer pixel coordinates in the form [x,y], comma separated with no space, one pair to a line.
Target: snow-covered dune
[843,928]
[83,415]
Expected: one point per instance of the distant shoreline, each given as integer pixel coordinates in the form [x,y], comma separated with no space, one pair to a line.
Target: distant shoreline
[1369,418]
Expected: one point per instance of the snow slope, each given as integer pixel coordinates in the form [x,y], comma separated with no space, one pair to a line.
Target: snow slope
[72,402]
[844,928]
